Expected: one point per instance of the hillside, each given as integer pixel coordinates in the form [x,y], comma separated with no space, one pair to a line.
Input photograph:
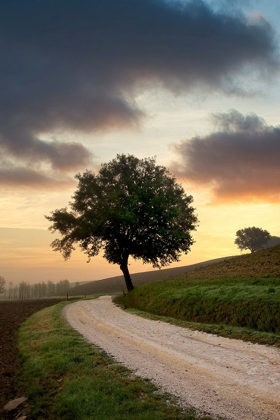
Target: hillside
[242,292]
[117,285]
[263,264]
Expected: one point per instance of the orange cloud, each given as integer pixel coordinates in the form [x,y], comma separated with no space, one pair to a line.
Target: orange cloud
[239,162]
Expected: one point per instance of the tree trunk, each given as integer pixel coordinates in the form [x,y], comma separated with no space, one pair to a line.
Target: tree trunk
[127,278]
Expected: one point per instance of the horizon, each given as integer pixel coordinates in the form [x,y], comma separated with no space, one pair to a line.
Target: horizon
[84,82]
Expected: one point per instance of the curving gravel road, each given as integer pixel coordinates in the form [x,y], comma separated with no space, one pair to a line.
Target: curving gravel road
[221,376]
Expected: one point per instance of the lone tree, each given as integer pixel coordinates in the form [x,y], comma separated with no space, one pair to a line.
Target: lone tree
[252,238]
[132,207]
[2,284]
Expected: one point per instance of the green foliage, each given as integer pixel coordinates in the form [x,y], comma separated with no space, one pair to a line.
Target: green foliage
[252,238]
[2,284]
[65,378]
[132,207]
[240,292]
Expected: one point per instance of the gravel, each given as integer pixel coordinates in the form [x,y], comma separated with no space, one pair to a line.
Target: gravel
[220,376]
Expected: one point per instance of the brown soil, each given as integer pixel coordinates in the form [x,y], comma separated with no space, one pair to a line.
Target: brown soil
[12,314]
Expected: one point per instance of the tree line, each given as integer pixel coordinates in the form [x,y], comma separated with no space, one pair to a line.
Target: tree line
[24,290]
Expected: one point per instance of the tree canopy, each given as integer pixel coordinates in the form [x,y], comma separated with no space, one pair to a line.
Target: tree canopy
[132,207]
[252,238]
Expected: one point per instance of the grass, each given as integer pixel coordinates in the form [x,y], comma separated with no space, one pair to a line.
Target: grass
[116,284]
[244,334]
[239,297]
[65,377]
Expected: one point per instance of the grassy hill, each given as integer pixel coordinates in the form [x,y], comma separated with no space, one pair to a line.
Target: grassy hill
[240,292]
[117,285]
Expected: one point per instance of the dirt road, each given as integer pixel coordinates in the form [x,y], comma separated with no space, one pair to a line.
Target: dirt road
[229,378]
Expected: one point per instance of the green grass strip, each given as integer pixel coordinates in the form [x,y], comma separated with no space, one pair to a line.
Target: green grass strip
[65,377]
[240,333]
[252,304]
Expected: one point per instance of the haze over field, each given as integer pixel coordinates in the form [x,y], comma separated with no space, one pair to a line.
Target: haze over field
[195,83]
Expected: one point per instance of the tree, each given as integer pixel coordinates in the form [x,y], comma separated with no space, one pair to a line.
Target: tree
[273,241]
[11,289]
[50,288]
[132,207]
[24,290]
[252,238]
[2,284]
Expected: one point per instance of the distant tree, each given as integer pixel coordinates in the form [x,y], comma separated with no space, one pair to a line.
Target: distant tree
[50,288]
[273,241]
[252,238]
[41,289]
[16,290]
[62,286]
[23,290]
[132,207]
[36,290]
[2,284]
[77,284]
[11,289]
[65,285]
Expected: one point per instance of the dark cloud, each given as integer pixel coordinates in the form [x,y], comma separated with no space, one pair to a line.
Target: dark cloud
[69,156]
[239,162]
[75,64]
[22,177]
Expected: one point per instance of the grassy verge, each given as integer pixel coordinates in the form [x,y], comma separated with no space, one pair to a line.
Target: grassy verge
[66,378]
[248,304]
[239,297]
[245,334]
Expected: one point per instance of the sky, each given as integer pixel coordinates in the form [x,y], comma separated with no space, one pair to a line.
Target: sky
[194,83]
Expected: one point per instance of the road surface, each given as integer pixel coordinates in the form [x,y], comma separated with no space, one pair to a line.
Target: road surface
[220,376]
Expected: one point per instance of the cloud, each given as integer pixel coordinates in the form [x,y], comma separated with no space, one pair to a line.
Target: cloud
[65,157]
[22,177]
[239,161]
[75,65]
